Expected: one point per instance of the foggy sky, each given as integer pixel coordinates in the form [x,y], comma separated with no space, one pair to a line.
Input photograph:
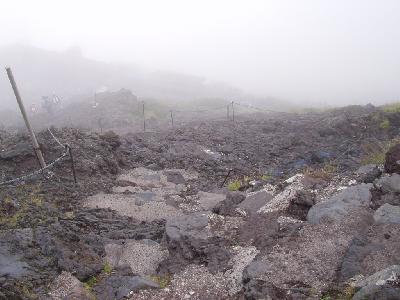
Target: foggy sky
[308,51]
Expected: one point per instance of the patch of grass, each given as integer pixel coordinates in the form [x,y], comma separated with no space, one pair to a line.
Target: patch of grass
[375,153]
[234,185]
[346,294]
[391,108]
[162,281]
[27,197]
[107,269]
[90,283]
[325,173]
[266,177]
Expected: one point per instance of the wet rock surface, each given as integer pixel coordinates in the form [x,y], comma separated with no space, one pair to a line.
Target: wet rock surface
[150,218]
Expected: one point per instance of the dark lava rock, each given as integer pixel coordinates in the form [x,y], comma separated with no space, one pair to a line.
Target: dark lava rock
[387,214]
[77,245]
[368,173]
[112,139]
[380,199]
[392,160]
[189,240]
[389,184]
[120,284]
[19,150]
[228,206]
[384,284]
[255,201]
[174,177]
[300,204]
[364,254]
[339,206]
[255,288]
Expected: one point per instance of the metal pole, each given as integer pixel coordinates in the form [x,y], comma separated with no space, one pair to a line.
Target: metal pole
[144,120]
[172,119]
[233,112]
[25,116]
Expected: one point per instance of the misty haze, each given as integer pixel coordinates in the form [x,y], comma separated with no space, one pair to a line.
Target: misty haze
[200,149]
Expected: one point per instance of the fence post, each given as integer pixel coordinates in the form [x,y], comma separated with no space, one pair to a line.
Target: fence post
[72,163]
[144,119]
[227,112]
[233,112]
[172,119]
[25,116]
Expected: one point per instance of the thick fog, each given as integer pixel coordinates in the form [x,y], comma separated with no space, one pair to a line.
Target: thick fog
[309,51]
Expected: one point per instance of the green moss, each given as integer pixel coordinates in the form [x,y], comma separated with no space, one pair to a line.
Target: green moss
[234,186]
[266,177]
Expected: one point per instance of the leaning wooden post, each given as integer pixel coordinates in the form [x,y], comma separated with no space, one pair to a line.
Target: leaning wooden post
[25,116]
[172,119]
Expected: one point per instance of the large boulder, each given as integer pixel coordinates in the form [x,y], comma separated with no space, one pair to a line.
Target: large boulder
[389,184]
[68,287]
[387,214]
[392,160]
[384,284]
[255,201]
[368,173]
[340,205]
[364,253]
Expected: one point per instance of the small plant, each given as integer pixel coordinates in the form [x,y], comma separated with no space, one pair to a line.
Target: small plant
[107,269]
[326,172]
[385,124]
[234,186]
[162,281]
[90,283]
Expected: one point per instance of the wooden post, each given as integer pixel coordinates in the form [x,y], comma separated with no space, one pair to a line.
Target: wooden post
[144,119]
[172,119]
[25,116]
[72,163]
[233,112]
[227,112]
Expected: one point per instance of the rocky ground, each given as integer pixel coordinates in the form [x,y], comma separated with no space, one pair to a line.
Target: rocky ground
[277,206]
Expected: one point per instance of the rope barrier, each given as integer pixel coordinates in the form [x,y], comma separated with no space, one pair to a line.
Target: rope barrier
[67,151]
[37,172]
[55,138]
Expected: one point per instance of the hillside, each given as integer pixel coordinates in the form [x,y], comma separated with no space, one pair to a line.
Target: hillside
[40,72]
